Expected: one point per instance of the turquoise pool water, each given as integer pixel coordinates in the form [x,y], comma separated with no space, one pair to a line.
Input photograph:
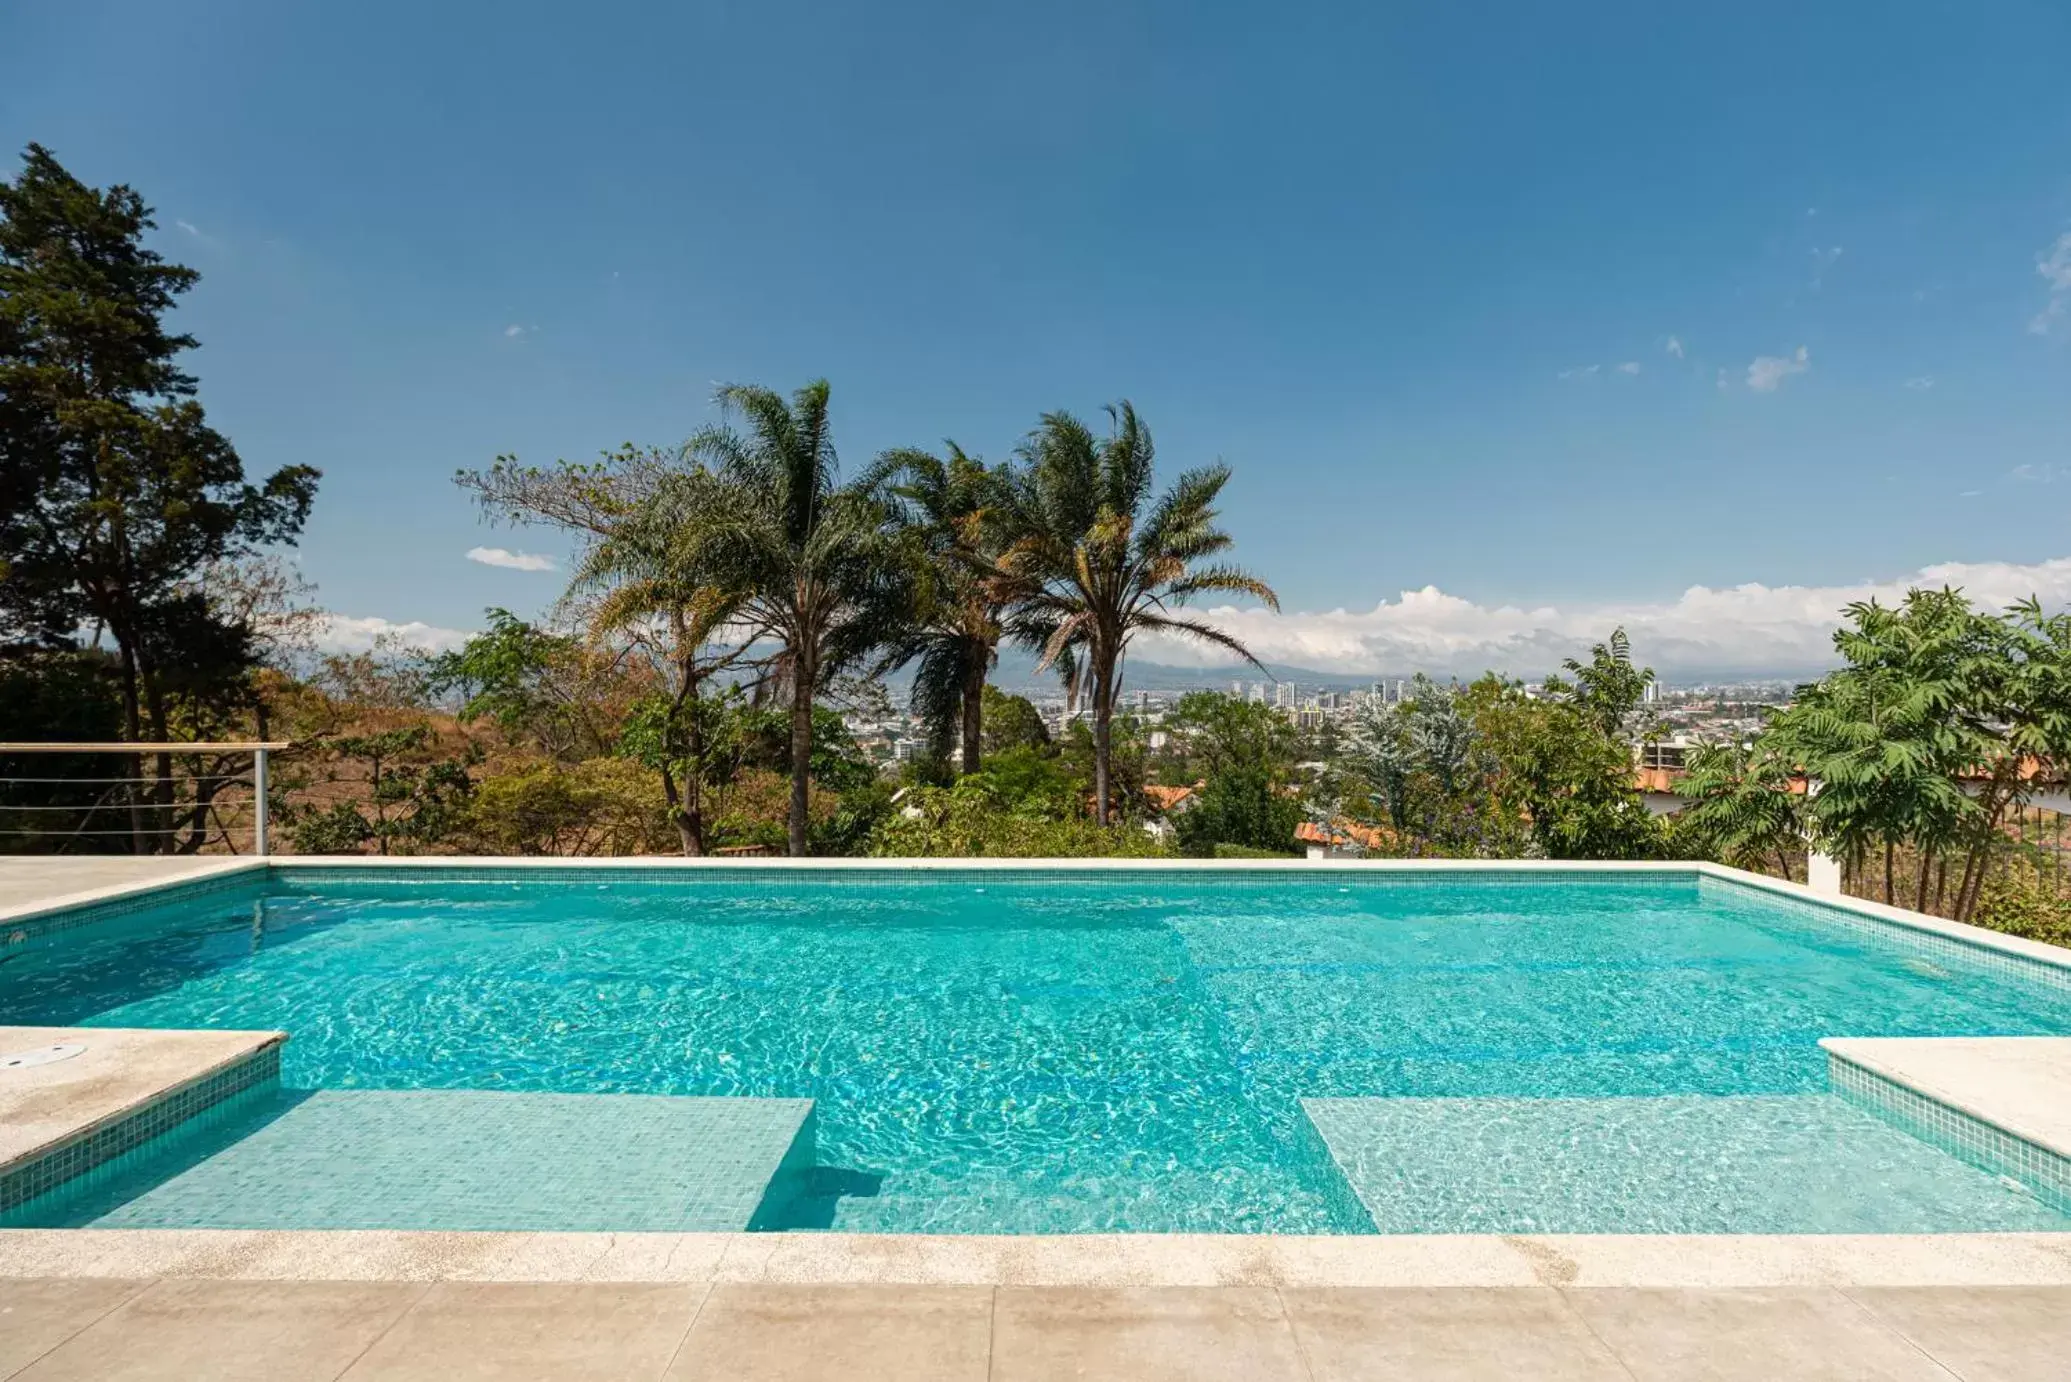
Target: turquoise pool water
[993,1052]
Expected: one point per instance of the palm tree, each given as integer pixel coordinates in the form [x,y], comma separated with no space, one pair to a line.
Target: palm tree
[817,562]
[946,507]
[1090,560]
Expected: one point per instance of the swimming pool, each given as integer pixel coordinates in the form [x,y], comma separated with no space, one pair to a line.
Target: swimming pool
[1007,1050]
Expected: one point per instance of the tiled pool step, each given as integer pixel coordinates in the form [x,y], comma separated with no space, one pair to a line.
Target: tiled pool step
[74,1099]
[1785,1164]
[1999,1103]
[462,1159]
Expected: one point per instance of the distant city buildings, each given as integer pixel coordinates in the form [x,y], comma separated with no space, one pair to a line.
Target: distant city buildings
[1679,716]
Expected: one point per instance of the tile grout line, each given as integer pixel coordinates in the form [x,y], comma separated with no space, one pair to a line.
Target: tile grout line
[1301,1350]
[1567,1303]
[385,1331]
[148,1286]
[695,1315]
[1848,1294]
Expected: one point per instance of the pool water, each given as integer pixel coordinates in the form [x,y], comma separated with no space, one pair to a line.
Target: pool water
[1056,1052]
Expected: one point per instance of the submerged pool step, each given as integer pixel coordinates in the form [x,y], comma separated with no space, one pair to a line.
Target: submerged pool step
[464,1159]
[1809,1163]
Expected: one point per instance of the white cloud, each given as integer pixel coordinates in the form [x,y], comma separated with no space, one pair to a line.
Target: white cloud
[1629,367]
[1747,630]
[1769,371]
[2054,264]
[1674,347]
[345,633]
[1920,383]
[510,561]
[2040,474]
[197,235]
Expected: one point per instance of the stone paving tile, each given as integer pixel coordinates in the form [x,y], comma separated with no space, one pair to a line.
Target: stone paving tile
[1144,1334]
[778,1333]
[1982,1333]
[268,1331]
[1445,1332]
[37,1316]
[1805,1334]
[514,1332]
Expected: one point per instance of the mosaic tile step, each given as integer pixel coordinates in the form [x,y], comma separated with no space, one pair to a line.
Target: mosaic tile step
[462,1159]
[2000,1103]
[1800,1163]
[71,1098]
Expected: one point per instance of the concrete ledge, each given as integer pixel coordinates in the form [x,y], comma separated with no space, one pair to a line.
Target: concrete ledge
[27,892]
[1713,1261]
[2019,1084]
[62,1119]
[2001,1103]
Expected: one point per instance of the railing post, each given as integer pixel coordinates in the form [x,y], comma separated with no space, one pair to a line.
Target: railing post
[259,802]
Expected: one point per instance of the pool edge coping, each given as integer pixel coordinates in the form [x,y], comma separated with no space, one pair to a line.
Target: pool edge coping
[2057,957]
[129,890]
[1093,1260]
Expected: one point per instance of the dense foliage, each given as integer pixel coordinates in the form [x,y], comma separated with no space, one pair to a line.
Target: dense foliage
[121,508]
[1941,721]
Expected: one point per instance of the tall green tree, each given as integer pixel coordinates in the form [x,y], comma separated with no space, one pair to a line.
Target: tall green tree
[1212,733]
[1012,722]
[1935,726]
[945,505]
[115,493]
[1566,757]
[1746,805]
[820,564]
[1092,557]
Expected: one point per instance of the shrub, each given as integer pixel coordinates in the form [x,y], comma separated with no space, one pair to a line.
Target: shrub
[2016,901]
[598,806]
[968,821]
[1240,807]
[1246,852]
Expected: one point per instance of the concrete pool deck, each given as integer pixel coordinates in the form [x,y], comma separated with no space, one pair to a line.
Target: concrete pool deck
[362,1331]
[34,881]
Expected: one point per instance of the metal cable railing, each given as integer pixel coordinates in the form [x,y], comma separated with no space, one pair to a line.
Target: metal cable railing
[143,802]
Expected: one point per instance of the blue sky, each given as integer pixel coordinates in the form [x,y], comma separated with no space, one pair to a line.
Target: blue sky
[1386,260]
